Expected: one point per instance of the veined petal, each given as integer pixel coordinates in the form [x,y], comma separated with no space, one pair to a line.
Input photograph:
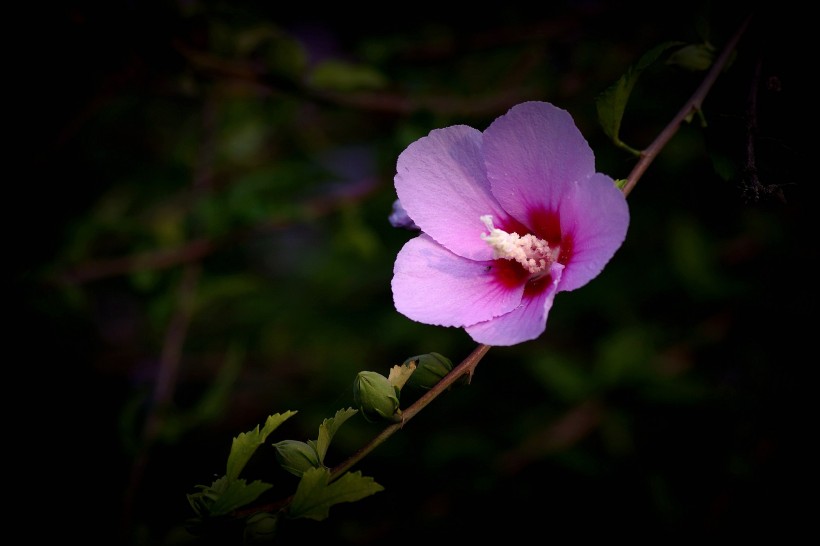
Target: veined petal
[534,154]
[595,217]
[524,323]
[434,286]
[442,184]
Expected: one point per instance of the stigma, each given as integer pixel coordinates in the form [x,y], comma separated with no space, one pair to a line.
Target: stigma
[532,253]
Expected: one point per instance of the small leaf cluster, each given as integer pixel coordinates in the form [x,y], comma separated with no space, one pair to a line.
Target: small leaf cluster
[611,103]
[315,494]
[228,497]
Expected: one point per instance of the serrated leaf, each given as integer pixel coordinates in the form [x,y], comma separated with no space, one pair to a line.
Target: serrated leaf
[244,445]
[328,429]
[202,501]
[238,493]
[315,494]
[399,374]
[224,496]
[611,103]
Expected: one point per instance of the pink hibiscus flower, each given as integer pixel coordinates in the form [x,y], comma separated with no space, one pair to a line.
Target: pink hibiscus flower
[508,218]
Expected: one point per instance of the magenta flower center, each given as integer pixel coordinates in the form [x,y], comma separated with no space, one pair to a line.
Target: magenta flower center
[532,253]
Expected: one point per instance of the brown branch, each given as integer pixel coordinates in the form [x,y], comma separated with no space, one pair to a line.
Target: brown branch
[577,423]
[93,270]
[389,102]
[692,106]
[751,186]
[197,249]
[177,332]
[164,387]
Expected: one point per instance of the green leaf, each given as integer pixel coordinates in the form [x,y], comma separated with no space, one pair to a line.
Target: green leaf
[400,373]
[224,496]
[327,429]
[244,445]
[611,103]
[315,494]
[345,76]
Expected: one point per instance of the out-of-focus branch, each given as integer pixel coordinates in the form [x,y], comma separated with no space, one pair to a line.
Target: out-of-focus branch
[389,102]
[577,423]
[196,249]
[751,186]
[177,331]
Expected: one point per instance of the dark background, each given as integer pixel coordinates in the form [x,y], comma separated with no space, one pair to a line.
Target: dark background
[201,210]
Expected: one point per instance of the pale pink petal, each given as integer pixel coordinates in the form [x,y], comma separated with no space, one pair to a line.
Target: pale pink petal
[526,322]
[595,217]
[442,184]
[434,286]
[534,154]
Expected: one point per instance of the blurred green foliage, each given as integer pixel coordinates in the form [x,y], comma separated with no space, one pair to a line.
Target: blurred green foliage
[210,192]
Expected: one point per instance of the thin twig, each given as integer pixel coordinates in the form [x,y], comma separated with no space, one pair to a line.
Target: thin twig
[177,331]
[165,384]
[692,106]
[197,249]
[467,367]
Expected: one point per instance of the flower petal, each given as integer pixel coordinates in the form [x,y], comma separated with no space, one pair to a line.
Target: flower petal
[441,183]
[434,286]
[400,219]
[526,322]
[595,218]
[534,154]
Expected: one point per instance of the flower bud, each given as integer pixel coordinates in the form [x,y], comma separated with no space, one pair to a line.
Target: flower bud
[296,457]
[430,369]
[260,528]
[375,396]
[694,57]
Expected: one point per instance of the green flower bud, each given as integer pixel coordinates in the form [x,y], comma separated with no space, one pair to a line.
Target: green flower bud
[296,457]
[430,369]
[694,57]
[375,396]
[260,528]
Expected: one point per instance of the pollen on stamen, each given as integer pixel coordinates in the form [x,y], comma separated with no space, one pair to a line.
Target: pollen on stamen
[532,253]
